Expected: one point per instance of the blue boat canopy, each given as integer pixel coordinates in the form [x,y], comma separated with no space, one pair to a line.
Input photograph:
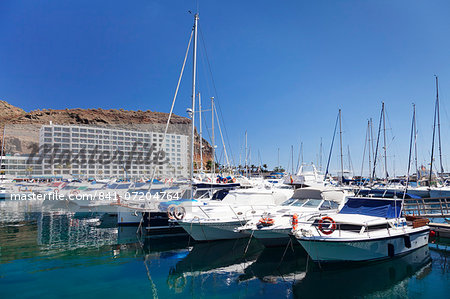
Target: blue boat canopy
[386,208]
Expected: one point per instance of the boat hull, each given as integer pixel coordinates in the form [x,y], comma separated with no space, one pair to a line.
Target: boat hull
[273,237]
[212,231]
[436,193]
[364,250]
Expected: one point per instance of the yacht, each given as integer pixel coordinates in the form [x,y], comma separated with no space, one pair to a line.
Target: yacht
[274,227]
[218,220]
[364,229]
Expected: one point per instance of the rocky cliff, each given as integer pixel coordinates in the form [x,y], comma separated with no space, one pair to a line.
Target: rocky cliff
[22,128]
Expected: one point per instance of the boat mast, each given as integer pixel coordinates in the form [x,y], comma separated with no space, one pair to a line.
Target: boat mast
[376,148]
[341,177]
[369,144]
[201,133]
[415,145]
[384,147]
[246,149]
[371,149]
[194,74]
[331,147]
[439,125]
[301,151]
[278,162]
[292,156]
[410,153]
[350,166]
[432,142]
[213,164]
[364,151]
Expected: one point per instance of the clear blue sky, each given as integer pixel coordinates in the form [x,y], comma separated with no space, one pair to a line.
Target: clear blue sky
[282,68]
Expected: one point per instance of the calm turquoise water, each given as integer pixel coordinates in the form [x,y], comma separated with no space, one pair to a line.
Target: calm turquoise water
[60,254]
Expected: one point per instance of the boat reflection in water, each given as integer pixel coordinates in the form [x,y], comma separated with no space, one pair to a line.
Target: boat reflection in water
[223,260]
[385,279]
[278,264]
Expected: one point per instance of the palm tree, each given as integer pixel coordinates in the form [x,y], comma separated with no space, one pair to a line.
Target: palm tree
[29,170]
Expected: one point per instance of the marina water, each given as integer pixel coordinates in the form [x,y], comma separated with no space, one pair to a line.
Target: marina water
[56,251]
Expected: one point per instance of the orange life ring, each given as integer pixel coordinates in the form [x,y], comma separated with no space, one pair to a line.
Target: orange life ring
[266,221]
[234,180]
[75,192]
[331,225]
[294,221]
[225,181]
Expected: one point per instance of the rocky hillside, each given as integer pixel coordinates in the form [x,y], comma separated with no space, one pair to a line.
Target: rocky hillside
[22,128]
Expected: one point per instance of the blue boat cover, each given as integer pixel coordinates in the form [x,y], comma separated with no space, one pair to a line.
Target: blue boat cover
[387,193]
[385,208]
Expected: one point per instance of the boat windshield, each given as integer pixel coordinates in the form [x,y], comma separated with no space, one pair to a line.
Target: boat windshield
[312,203]
[294,202]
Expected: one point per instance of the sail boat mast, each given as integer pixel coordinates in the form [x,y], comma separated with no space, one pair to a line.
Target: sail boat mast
[432,140]
[376,148]
[201,133]
[194,74]
[415,145]
[439,124]
[342,156]
[369,143]
[384,147]
[213,164]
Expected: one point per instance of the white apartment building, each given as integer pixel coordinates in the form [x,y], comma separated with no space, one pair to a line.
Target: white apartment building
[109,143]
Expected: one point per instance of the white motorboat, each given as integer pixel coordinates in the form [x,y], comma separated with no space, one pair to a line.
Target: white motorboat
[365,229]
[274,227]
[441,191]
[218,220]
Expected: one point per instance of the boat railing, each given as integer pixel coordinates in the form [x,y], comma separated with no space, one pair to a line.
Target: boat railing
[346,227]
[427,207]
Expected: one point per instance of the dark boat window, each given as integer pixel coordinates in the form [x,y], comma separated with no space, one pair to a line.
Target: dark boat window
[377,227]
[329,205]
